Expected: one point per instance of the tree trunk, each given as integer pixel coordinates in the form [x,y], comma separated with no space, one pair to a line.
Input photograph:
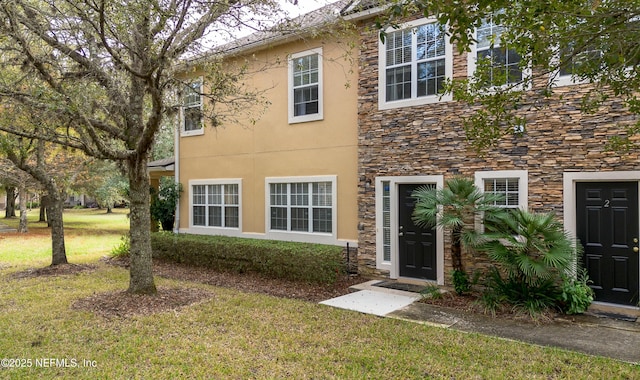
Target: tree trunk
[44,202]
[456,249]
[109,210]
[58,250]
[10,211]
[141,269]
[22,226]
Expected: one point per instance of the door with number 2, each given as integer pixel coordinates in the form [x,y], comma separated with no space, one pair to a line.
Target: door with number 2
[607,227]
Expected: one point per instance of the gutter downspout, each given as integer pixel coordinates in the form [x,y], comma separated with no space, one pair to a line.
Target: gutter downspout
[176,171]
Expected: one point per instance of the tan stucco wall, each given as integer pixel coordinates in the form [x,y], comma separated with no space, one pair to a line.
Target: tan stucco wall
[274,148]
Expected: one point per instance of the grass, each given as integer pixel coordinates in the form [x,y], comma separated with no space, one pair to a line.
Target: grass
[240,335]
[89,234]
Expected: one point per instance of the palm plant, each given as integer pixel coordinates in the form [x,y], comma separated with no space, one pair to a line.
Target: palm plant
[456,207]
[530,247]
[534,252]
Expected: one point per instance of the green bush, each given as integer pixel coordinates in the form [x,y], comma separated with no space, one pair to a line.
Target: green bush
[576,294]
[122,249]
[461,282]
[531,297]
[287,260]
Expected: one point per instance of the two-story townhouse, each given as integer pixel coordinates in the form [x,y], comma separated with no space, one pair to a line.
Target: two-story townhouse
[291,175]
[410,135]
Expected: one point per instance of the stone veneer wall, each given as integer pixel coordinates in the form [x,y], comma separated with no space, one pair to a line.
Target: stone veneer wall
[430,140]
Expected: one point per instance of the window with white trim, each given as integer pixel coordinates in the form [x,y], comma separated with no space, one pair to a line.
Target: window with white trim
[511,184]
[507,188]
[216,205]
[503,63]
[192,108]
[386,221]
[414,63]
[572,61]
[301,207]
[305,86]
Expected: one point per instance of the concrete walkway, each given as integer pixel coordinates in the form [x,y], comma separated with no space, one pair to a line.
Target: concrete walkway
[589,334]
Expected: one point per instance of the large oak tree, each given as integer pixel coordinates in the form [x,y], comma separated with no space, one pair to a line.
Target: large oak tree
[106,68]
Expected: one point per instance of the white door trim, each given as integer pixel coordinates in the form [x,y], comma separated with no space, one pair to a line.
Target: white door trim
[392,266]
[569,180]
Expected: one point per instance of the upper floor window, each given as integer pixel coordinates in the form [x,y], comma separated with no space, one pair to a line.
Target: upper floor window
[305,86]
[414,63]
[192,109]
[502,64]
[573,62]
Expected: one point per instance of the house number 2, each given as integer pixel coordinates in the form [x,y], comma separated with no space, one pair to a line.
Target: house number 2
[606,203]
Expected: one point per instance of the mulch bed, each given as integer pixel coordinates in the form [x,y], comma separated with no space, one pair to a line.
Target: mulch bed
[122,304]
[470,303]
[54,270]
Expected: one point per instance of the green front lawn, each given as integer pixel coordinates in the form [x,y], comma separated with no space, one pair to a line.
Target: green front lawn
[239,335]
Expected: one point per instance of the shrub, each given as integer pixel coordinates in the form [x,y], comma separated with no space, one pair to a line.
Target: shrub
[163,204]
[576,294]
[531,297]
[432,291]
[533,252]
[122,249]
[287,260]
[461,282]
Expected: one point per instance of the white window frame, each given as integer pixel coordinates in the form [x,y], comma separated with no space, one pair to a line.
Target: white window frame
[291,98]
[206,182]
[472,66]
[521,175]
[559,80]
[383,104]
[194,132]
[303,236]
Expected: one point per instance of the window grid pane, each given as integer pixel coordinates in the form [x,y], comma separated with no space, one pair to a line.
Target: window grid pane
[192,106]
[216,205]
[410,76]
[386,221]
[301,206]
[215,216]
[279,218]
[505,63]
[322,220]
[306,85]
[199,216]
[507,187]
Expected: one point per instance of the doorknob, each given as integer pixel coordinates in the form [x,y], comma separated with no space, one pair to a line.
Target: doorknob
[636,249]
[402,234]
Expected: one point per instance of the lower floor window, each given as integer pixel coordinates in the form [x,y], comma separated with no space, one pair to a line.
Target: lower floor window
[301,206]
[216,205]
[508,188]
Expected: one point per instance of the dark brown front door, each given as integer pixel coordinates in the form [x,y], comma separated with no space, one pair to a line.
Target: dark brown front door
[417,246]
[607,226]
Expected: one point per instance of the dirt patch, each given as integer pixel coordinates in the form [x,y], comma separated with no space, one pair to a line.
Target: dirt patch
[54,270]
[470,303]
[123,304]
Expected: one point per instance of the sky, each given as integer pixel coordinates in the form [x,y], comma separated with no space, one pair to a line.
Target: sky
[304,6]
[291,10]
